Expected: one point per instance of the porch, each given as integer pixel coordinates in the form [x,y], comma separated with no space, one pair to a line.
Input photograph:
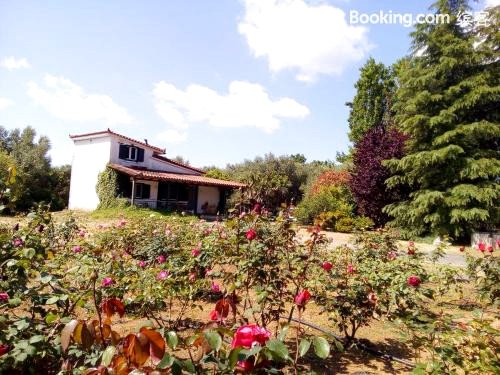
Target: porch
[193,194]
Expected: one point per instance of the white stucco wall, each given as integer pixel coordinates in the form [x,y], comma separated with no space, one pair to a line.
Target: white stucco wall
[90,157]
[208,194]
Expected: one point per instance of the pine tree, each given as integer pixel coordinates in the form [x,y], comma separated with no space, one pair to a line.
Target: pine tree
[448,104]
[372,102]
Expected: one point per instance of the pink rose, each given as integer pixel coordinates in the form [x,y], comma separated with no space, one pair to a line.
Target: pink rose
[81,233]
[251,234]
[249,335]
[302,298]
[77,249]
[192,276]
[372,297]
[215,287]
[161,259]
[162,275]
[411,243]
[391,255]
[141,264]
[195,252]
[4,297]
[18,242]
[350,268]
[414,281]
[107,281]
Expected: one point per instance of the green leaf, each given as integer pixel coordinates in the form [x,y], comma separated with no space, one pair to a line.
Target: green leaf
[304,347]
[189,366]
[214,340]
[52,300]
[278,348]
[51,317]
[14,302]
[234,357]
[284,332]
[166,362]
[108,355]
[321,347]
[35,339]
[172,339]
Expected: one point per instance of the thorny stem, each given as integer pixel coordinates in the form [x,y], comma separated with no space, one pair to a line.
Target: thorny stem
[94,294]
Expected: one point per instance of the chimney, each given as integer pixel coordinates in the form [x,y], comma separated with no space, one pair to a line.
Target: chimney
[146,141]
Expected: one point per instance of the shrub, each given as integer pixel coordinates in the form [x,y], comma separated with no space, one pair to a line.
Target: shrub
[330,199]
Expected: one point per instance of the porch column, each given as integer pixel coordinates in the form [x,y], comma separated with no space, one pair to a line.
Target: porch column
[132,199]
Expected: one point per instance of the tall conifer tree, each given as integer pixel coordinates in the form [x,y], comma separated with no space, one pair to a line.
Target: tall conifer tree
[448,104]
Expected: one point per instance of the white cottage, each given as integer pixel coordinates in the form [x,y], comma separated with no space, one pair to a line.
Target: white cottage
[145,176]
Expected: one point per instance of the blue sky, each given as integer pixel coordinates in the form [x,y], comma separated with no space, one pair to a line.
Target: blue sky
[213,81]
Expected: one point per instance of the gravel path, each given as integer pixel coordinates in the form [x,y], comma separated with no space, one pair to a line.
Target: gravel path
[452,257]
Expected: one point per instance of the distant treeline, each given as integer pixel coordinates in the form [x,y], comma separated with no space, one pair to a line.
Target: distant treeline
[36,180]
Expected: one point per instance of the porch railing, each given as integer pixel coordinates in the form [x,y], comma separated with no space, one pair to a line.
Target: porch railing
[169,205]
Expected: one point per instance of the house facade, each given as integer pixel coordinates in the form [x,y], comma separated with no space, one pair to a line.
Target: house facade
[145,176]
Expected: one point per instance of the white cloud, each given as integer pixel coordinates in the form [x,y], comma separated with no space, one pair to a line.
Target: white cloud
[11,63]
[491,3]
[172,136]
[245,105]
[311,39]
[68,101]
[5,102]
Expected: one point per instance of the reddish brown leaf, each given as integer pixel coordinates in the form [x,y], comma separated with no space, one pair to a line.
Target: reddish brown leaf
[222,307]
[120,365]
[109,306]
[136,349]
[66,334]
[156,344]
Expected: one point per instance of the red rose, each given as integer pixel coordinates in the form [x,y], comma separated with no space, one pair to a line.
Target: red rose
[350,268]
[411,251]
[251,234]
[462,249]
[302,298]
[490,249]
[3,349]
[414,281]
[4,297]
[249,335]
[214,315]
[327,266]
[481,247]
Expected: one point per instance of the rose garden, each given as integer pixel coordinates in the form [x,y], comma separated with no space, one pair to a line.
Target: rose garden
[176,295]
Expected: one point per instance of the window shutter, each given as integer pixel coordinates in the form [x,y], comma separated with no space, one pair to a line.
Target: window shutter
[140,154]
[123,153]
[146,189]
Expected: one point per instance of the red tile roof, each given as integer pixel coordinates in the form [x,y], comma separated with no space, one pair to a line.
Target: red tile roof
[108,131]
[163,158]
[146,174]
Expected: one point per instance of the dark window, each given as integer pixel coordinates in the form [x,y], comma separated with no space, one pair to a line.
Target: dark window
[142,191]
[128,152]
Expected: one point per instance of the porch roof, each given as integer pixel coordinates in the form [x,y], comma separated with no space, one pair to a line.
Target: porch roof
[147,174]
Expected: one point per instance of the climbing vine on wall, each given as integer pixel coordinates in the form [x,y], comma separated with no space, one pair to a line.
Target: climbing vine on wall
[106,188]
